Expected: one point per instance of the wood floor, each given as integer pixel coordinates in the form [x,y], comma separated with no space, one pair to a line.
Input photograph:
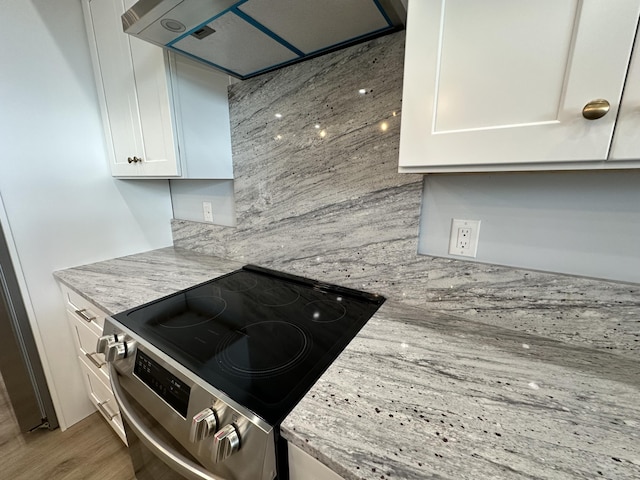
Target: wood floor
[89,450]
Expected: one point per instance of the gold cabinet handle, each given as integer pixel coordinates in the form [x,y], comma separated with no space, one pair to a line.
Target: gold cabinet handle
[595,109]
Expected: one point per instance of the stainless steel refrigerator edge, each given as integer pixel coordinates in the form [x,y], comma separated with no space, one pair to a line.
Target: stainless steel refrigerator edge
[20,364]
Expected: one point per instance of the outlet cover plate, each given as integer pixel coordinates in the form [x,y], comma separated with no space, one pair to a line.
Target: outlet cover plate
[463,240]
[207,211]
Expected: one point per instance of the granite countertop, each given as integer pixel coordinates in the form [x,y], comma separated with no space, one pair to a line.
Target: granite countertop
[420,394]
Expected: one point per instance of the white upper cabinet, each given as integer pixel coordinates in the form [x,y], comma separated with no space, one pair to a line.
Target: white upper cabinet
[501,84]
[626,137]
[164,116]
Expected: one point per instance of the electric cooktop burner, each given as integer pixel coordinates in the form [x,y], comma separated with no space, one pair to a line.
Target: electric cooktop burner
[260,336]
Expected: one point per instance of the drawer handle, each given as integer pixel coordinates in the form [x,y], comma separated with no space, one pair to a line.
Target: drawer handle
[93,360]
[82,314]
[106,412]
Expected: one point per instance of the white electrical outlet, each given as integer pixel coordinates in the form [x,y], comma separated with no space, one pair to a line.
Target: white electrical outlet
[207,211]
[463,239]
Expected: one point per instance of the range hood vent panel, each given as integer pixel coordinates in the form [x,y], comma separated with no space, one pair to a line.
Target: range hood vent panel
[253,50]
[248,37]
[318,24]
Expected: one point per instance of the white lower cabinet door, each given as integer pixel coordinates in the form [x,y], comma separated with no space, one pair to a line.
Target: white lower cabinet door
[502,84]
[83,311]
[102,397]
[303,466]
[86,322]
[86,341]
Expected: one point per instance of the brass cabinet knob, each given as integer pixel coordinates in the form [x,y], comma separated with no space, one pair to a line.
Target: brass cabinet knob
[595,109]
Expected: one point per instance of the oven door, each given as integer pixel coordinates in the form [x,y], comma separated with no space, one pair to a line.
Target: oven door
[154,453]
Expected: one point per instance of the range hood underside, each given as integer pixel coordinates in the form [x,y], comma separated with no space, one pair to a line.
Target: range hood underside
[249,37]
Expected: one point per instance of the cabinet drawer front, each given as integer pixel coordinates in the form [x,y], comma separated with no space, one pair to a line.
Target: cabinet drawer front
[102,397]
[84,310]
[86,340]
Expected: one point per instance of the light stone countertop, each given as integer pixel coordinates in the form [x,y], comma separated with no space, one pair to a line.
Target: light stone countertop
[419,394]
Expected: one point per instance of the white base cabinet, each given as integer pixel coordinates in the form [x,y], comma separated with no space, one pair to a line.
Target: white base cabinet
[501,85]
[86,322]
[303,466]
[164,116]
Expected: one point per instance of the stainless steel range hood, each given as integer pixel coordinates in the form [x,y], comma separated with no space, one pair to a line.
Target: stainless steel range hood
[248,37]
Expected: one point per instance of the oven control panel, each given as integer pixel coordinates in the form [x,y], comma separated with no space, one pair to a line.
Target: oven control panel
[167,386]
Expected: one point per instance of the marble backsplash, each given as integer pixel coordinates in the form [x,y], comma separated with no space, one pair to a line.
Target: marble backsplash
[318,194]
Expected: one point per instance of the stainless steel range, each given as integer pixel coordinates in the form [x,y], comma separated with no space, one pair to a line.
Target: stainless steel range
[205,376]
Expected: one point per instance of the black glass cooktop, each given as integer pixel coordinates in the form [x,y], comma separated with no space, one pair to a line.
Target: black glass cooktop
[260,336]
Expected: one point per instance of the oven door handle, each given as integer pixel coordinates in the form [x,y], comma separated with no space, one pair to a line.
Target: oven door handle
[170,457]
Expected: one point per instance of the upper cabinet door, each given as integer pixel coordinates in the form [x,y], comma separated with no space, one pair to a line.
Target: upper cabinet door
[626,137]
[501,84]
[152,79]
[163,117]
[134,82]
[116,85]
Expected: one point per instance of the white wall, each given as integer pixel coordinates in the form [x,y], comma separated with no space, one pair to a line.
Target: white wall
[187,197]
[582,223]
[62,206]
